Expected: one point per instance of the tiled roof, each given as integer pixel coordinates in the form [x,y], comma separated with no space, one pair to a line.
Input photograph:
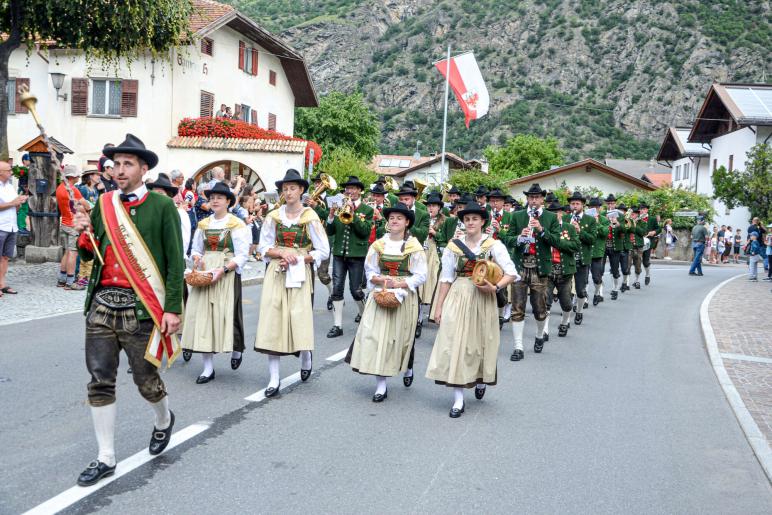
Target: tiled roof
[239,144]
[206,12]
[658,179]
[587,165]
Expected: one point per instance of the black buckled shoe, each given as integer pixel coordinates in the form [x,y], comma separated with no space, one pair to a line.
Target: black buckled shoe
[160,438]
[380,397]
[479,392]
[624,288]
[329,303]
[517,355]
[455,412]
[562,330]
[186,355]
[578,318]
[637,285]
[538,345]
[586,304]
[501,323]
[271,391]
[419,327]
[546,337]
[647,281]
[407,381]
[205,379]
[236,362]
[334,332]
[614,294]
[358,318]
[596,300]
[95,471]
[305,374]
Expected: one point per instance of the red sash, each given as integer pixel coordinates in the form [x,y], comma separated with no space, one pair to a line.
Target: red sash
[140,269]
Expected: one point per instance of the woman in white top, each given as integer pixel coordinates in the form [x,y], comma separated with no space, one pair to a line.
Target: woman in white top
[292,240]
[384,343]
[467,344]
[213,316]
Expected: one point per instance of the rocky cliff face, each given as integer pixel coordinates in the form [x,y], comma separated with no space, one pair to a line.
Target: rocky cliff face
[605,77]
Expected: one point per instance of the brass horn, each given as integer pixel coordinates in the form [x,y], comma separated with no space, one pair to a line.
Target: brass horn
[420,186]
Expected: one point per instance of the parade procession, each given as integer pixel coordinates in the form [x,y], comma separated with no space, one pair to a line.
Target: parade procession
[362,257]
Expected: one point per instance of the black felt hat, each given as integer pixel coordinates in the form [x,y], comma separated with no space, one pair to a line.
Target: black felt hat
[481,191]
[622,206]
[163,182]
[407,188]
[454,191]
[473,208]
[402,209]
[643,205]
[292,175]
[434,198]
[510,200]
[595,202]
[353,180]
[221,188]
[496,193]
[577,195]
[134,146]
[465,198]
[555,206]
[535,189]
[378,189]
[611,198]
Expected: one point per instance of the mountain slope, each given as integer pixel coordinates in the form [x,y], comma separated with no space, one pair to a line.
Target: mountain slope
[605,77]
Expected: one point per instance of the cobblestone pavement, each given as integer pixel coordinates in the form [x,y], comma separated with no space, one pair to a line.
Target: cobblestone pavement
[740,319]
[39,297]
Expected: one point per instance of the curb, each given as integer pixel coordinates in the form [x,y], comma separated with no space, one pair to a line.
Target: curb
[754,436]
[252,281]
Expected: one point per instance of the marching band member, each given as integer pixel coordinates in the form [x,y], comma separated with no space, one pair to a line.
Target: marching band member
[481,197]
[563,268]
[628,227]
[466,347]
[614,243]
[293,240]
[598,249]
[499,220]
[434,244]
[379,202]
[531,235]
[214,321]
[384,342]
[652,232]
[322,211]
[349,250]
[586,228]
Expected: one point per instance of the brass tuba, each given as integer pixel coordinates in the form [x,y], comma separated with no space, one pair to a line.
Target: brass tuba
[328,183]
[346,214]
[420,186]
[391,184]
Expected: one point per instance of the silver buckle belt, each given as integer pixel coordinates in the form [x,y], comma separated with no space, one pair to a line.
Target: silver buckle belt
[115,298]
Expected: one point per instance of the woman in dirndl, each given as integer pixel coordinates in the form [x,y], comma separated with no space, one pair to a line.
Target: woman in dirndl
[292,241]
[467,343]
[434,244]
[213,318]
[384,342]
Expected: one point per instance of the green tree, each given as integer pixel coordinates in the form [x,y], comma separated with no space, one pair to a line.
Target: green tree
[525,154]
[469,180]
[751,187]
[340,121]
[341,162]
[667,200]
[102,30]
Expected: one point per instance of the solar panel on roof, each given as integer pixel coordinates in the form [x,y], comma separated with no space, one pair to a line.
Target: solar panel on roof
[384,162]
[753,102]
[404,163]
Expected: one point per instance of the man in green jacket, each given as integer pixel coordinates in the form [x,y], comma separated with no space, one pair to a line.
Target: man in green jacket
[563,268]
[628,238]
[349,250]
[530,237]
[615,244]
[652,232]
[586,228]
[117,317]
[636,239]
[598,248]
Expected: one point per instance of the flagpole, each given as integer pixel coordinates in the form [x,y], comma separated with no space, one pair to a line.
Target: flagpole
[445,118]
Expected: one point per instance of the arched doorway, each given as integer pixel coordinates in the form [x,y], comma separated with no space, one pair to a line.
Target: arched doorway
[232,169]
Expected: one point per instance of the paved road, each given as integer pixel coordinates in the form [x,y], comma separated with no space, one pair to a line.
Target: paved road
[622,416]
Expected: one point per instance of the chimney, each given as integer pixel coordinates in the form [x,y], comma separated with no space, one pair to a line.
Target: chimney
[484,165]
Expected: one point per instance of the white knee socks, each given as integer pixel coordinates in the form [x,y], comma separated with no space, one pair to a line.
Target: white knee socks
[273,369]
[637,277]
[547,324]
[580,305]
[420,312]
[305,360]
[380,385]
[616,284]
[329,288]
[337,312]
[567,314]
[599,289]
[507,311]
[208,358]
[104,428]
[361,306]
[648,271]
[162,415]
[627,279]
[517,333]
[540,328]
[458,394]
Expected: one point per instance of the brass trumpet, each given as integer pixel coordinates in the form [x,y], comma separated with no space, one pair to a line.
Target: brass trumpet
[346,214]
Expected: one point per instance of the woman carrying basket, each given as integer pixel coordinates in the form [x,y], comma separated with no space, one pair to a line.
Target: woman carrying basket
[467,343]
[213,317]
[396,266]
[292,240]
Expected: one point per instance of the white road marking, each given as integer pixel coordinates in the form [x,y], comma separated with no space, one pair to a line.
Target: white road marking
[13,321]
[286,382]
[339,356]
[745,357]
[76,493]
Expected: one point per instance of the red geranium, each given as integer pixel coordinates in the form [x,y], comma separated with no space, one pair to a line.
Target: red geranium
[226,128]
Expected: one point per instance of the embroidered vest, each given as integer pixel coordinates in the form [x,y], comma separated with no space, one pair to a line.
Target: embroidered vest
[219,240]
[393,265]
[295,235]
[464,265]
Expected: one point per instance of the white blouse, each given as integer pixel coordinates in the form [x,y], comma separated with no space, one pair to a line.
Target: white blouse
[498,253]
[321,245]
[242,239]
[416,264]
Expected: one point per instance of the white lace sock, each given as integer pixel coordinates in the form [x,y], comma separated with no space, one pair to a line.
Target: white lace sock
[481,386]
[547,324]
[104,428]
[163,416]
[208,358]
[235,355]
[627,280]
[540,328]
[305,360]
[458,394]
[507,311]
[616,284]
[380,385]
[273,369]
[600,289]
[409,372]
[580,305]
[517,333]
[637,277]
[648,271]
[337,312]
[420,312]
[567,316]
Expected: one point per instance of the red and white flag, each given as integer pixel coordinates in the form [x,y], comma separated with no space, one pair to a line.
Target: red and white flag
[467,83]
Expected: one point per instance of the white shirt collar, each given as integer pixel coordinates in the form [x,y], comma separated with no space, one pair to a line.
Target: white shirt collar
[139,192]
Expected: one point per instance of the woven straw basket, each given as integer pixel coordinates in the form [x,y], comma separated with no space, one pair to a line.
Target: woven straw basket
[386,299]
[199,279]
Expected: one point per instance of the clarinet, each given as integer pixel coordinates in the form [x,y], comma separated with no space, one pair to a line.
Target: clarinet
[532,213]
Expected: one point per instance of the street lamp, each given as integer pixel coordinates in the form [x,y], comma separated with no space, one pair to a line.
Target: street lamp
[58,81]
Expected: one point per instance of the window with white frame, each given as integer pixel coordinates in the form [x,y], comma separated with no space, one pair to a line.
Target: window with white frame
[687,169]
[678,172]
[106,97]
[10,93]
[245,113]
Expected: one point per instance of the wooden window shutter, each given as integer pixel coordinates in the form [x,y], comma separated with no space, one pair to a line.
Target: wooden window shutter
[242,52]
[271,122]
[254,61]
[19,83]
[253,117]
[207,46]
[79,106]
[272,78]
[129,89]
[207,105]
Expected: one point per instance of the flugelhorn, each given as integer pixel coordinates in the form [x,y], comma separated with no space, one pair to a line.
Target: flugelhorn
[346,214]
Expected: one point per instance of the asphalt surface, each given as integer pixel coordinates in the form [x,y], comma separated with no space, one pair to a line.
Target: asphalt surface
[622,416]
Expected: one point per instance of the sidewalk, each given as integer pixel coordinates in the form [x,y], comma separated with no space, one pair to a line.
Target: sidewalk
[39,297]
[742,325]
